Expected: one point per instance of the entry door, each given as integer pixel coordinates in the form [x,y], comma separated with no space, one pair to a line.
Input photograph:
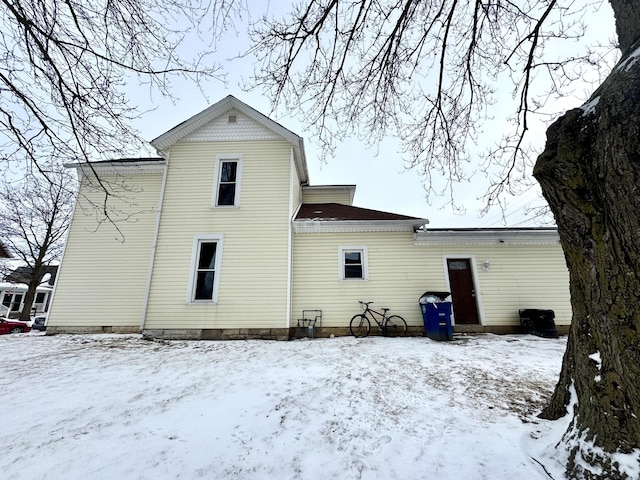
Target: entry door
[463,291]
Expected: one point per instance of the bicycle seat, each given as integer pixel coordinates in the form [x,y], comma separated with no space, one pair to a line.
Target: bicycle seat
[385,310]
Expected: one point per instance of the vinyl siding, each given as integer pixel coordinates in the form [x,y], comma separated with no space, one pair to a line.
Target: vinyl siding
[520,276]
[325,197]
[103,276]
[398,274]
[253,273]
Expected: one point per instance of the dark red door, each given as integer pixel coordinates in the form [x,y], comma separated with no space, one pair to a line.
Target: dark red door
[463,291]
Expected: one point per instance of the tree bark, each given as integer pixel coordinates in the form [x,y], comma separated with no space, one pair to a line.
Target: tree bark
[590,176]
[34,282]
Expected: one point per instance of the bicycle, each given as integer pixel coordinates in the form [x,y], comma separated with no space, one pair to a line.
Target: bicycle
[390,326]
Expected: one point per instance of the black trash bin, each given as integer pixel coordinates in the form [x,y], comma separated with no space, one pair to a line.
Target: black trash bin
[436,315]
[539,322]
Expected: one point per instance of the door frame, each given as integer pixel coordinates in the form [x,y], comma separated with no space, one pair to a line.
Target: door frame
[474,278]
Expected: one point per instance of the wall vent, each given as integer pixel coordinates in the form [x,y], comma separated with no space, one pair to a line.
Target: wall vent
[233,119]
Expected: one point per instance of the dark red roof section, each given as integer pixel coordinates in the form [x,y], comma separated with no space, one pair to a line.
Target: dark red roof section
[337,211]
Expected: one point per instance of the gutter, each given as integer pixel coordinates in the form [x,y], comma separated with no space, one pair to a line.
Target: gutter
[154,245]
[487,236]
[358,226]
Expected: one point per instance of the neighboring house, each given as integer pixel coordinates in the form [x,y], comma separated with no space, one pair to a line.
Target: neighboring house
[222,236]
[14,289]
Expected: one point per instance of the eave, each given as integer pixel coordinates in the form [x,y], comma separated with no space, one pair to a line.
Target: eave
[117,167]
[480,236]
[356,226]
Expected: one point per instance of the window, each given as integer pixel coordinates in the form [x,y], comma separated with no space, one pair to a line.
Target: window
[227,188]
[205,268]
[353,263]
[13,301]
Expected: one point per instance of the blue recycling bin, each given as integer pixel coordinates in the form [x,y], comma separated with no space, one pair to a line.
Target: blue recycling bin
[437,320]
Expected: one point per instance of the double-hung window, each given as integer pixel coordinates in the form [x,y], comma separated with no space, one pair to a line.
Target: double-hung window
[353,263]
[227,187]
[205,268]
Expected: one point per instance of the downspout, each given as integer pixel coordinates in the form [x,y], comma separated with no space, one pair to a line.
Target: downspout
[290,240]
[154,245]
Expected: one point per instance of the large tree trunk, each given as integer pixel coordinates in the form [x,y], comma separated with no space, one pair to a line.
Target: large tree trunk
[30,296]
[590,175]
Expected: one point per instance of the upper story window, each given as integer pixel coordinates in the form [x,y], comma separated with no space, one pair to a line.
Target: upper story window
[227,188]
[353,263]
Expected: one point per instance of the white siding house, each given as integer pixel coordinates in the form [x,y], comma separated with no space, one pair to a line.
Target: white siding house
[101,282]
[222,236]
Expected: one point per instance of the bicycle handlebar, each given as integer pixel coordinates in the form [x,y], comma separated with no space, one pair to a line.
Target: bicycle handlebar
[365,303]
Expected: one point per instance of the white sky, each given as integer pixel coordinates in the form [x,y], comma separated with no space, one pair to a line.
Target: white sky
[382,183]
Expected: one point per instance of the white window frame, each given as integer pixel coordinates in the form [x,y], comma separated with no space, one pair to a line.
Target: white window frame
[342,250]
[220,159]
[199,239]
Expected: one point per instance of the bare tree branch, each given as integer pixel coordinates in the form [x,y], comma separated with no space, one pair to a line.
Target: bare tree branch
[65,65]
[425,72]
[35,213]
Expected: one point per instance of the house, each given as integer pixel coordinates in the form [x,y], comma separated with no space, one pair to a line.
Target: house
[224,236]
[14,289]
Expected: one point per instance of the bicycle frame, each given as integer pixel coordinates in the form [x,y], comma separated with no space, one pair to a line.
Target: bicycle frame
[389,325]
[372,314]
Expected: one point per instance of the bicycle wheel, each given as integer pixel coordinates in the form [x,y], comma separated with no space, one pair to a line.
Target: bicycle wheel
[359,326]
[395,326]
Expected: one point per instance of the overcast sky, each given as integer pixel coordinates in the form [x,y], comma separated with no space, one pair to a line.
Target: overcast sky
[382,182]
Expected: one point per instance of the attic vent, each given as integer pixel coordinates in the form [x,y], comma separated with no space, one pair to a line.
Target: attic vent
[232,119]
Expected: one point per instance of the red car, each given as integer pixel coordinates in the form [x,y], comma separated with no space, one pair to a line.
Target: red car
[13,326]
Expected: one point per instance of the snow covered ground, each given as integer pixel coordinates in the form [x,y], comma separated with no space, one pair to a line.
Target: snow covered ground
[120,407]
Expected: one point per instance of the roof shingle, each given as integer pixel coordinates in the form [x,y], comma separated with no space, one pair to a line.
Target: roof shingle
[337,212]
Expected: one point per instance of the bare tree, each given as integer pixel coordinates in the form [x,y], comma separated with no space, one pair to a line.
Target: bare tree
[35,213]
[65,66]
[428,71]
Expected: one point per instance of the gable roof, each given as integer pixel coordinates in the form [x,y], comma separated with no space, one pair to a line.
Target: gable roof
[336,217]
[22,274]
[165,141]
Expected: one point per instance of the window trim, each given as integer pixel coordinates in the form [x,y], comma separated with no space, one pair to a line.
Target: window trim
[342,250]
[220,159]
[198,239]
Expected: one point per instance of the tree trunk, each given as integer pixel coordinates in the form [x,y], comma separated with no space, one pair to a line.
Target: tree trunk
[590,175]
[29,297]
[34,281]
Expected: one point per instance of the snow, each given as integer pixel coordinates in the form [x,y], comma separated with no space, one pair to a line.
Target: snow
[118,406]
[589,108]
[596,358]
[628,62]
